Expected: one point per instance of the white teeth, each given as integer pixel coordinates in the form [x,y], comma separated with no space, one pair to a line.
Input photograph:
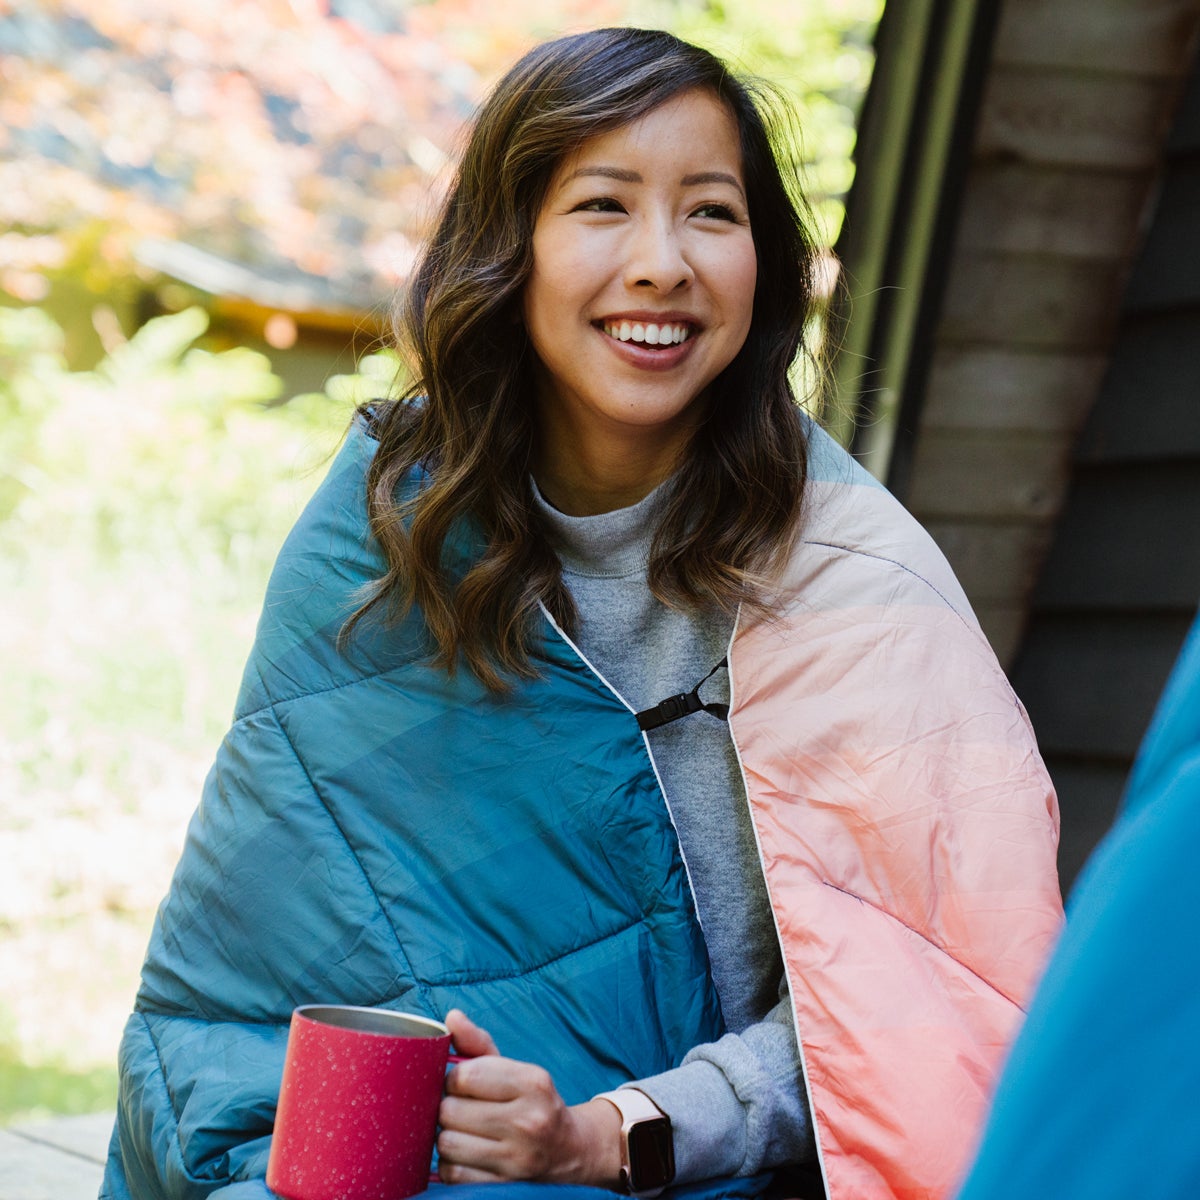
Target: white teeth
[648,334]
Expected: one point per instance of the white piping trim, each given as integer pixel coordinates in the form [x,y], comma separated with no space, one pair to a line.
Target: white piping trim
[587,662]
[762,866]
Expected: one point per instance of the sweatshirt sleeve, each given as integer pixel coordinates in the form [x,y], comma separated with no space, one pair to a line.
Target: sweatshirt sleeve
[738,1105]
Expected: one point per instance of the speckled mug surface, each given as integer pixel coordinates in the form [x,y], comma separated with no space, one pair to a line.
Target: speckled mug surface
[358,1105]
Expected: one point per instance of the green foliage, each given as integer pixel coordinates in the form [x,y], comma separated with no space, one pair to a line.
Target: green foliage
[142,504]
[164,448]
[378,375]
[160,484]
[31,360]
[31,1092]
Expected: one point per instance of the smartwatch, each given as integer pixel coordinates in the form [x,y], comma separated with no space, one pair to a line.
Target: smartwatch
[647,1145]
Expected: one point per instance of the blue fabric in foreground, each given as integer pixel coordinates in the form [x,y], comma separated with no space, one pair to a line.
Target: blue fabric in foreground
[731,1189]
[1099,1097]
[734,1189]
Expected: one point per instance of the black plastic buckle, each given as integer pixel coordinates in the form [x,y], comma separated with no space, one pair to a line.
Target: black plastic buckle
[670,709]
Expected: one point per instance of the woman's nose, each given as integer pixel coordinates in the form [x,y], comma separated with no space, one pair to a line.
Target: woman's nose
[657,258]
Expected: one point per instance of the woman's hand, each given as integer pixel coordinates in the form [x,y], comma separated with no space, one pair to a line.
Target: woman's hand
[503,1119]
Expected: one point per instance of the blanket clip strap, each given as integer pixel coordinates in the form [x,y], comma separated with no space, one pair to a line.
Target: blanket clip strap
[686,703]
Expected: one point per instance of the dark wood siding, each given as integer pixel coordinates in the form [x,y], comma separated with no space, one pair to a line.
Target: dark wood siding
[1066,156]
[1121,581]
[1027,378]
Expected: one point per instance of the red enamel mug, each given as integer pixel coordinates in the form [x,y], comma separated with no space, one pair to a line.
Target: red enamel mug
[358,1104]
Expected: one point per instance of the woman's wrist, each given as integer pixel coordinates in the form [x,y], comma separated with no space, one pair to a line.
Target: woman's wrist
[597,1142]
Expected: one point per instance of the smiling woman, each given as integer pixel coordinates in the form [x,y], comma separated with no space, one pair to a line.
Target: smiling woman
[546,204]
[765,934]
[640,295]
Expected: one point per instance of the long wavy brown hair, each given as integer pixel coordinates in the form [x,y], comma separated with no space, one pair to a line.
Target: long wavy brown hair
[455,451]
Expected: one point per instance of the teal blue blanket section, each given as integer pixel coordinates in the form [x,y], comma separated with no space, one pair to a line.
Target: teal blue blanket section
[1099,1098]
[829,463]
[375,832]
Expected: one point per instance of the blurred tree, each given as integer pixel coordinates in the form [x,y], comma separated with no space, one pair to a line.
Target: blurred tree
[294,153]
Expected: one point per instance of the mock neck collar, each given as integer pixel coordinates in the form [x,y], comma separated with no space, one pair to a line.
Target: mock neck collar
[605,544]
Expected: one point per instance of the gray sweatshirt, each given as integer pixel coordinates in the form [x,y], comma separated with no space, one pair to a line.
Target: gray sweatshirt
[737,1106]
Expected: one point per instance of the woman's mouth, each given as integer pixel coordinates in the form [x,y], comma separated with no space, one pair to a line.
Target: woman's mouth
[647,333]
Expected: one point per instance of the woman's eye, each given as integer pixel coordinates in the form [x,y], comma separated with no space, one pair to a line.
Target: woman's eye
[600,204]
[719,212]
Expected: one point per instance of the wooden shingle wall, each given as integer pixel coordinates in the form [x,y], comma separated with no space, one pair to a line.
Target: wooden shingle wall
[1121,582]
[1067,152]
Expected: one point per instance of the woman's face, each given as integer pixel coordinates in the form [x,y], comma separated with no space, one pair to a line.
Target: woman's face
[643,278]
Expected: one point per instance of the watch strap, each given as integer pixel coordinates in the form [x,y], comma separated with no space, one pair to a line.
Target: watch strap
[636,1107]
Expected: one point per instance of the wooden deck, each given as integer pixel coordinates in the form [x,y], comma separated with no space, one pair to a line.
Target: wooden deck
[55,1160]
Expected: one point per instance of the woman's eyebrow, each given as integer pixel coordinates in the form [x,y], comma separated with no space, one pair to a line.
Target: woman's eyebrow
[714,177]
[625,176]
[618,173]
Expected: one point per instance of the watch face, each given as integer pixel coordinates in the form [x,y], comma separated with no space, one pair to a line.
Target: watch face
[651,1154]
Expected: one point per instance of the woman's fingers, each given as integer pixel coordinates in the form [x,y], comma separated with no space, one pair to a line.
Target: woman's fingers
[503,1118]
[468,1158]
[464,1155]
[454,1173]
[476,1118]
[498,1079]
[468,1037]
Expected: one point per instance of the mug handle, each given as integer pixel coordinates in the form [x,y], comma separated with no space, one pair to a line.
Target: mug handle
[434,1177]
